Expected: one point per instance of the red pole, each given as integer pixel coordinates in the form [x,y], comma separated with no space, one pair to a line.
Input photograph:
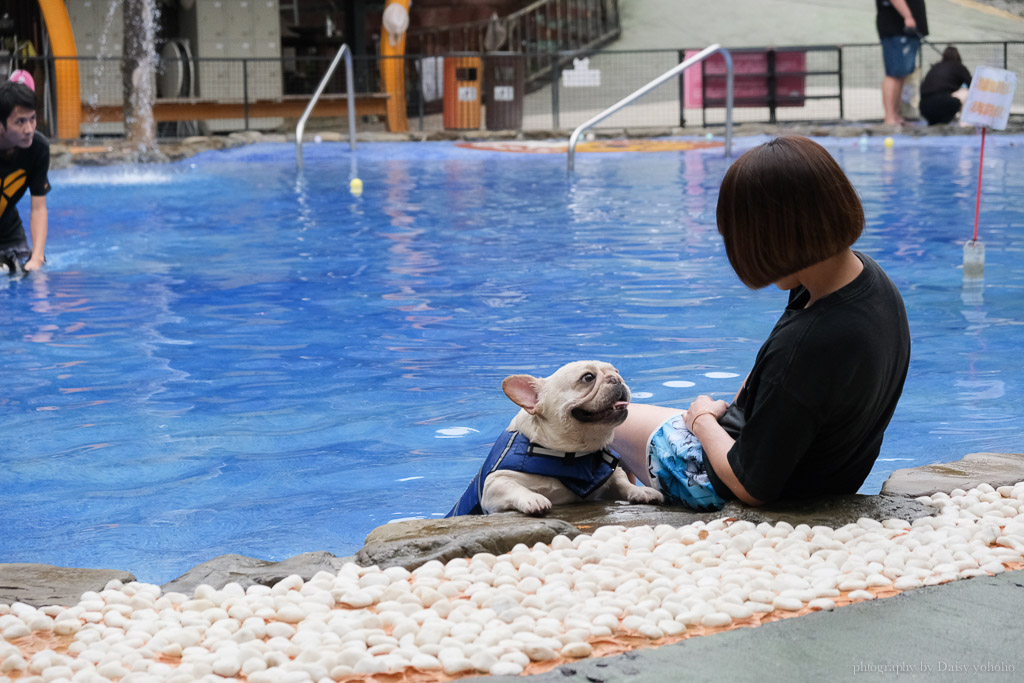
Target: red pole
[977,202]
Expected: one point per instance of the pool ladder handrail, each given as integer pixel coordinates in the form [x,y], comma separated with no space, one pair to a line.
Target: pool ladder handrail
[679,68]
[345,52]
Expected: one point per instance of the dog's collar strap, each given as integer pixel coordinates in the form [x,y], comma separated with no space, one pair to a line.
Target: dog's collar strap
[605,454]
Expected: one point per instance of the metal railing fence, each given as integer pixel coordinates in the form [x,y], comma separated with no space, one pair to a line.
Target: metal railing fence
[838,84]
[541,31]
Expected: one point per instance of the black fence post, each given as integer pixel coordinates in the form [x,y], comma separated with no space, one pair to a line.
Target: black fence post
[681,55]
[703,94]
[245,90]
[420,105]
[773,83]
[50,94]
[839,51]
[555,73]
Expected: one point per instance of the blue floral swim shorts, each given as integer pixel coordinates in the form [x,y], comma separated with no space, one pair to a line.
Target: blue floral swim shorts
[675,459]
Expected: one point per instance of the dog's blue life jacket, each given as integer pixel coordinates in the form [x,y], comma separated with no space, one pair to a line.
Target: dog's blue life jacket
[581,473]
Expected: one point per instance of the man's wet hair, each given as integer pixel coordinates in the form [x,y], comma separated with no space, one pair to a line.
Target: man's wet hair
[783,206]
[15,95]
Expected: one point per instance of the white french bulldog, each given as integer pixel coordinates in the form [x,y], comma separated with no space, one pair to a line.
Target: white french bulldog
[555,450]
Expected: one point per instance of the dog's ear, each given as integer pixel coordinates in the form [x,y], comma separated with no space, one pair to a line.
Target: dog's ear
[523,390]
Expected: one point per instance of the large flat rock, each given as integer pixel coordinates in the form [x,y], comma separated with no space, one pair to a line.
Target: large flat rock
[248,571]
[997,469]
[412,543]
[46,584]
[835,511]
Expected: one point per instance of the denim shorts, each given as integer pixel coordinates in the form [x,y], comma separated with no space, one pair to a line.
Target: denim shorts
[899,53]
[675,460]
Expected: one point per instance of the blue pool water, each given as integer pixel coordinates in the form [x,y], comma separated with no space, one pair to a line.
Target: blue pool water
[223,357]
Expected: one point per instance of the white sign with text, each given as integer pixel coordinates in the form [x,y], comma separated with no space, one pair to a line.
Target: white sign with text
[581,75]
[990,97]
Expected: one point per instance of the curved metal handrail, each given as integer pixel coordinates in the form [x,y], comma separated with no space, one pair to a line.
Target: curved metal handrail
[679,68]
[345,52]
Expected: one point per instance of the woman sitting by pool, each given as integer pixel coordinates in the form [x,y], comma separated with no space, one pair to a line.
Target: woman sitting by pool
[809,418]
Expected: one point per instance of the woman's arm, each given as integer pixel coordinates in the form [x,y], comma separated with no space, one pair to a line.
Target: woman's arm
[716,443]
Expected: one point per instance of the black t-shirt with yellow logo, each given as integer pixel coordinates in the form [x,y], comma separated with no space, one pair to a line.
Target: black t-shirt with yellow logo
[21,170]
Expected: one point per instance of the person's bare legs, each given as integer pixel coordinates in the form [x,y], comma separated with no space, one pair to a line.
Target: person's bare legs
[892,90]
[631,436]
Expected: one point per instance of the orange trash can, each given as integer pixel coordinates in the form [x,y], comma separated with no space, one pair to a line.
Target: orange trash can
[462,80]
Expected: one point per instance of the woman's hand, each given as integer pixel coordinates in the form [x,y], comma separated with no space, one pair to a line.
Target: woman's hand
[704,405]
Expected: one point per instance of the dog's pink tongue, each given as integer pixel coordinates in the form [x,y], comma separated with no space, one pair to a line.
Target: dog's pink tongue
[621,405]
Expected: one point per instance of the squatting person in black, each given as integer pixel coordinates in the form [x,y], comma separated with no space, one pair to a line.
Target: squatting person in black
[24,164]
[809,418]
[944,88]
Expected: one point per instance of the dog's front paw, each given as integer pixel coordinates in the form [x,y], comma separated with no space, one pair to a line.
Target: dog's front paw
[645,494]
[533,504]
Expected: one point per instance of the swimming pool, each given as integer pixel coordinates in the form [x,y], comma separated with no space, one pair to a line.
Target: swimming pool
[223,357]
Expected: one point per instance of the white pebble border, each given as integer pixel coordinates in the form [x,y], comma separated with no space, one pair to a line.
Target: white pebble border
[496,615]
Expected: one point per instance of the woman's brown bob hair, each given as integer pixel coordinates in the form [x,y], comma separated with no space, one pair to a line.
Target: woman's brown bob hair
[783,206]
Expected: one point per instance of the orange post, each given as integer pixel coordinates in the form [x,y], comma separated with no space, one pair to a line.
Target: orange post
[392,71]
[69,92]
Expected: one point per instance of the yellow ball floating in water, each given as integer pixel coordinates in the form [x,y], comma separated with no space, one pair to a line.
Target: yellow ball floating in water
[889,142]
[356,186]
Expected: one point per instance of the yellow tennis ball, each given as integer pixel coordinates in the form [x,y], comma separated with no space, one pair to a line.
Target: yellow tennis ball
[889,142]
[356,186]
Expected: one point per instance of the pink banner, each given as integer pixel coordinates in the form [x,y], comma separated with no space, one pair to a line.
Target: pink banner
[750,80]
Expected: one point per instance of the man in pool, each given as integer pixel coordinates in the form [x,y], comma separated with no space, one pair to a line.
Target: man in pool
[809,418]
[24,164]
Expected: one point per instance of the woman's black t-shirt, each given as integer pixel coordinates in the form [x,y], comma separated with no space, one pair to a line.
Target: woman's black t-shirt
[810,418]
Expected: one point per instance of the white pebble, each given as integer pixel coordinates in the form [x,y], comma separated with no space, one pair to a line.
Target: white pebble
[112,670]
[16,630]
[861,595]
[503,668]
[788,604]
[227,666]
[456,665]
[13,663]
[423,662]
[715,620]
[756,607]
[649,630]
[852,585]
[356,599]
[907,583]
[40,622]
[577,650]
